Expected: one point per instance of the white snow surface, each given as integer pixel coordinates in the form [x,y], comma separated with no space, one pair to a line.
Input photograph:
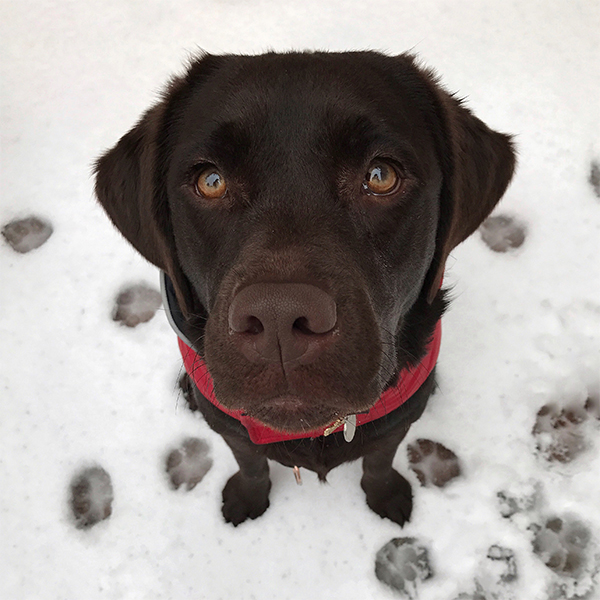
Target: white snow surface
[78,389]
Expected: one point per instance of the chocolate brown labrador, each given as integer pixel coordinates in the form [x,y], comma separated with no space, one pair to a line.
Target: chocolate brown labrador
[302,207]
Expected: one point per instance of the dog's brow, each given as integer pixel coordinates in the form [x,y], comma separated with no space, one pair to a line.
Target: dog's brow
[229,138]
[358,138]
[223,143]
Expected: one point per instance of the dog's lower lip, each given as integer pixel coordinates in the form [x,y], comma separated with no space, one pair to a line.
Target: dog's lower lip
[293,414]
[287,403]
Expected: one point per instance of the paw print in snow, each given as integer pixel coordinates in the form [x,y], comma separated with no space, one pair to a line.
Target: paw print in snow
[504,563]
[594,177]
[592,407]
[91,497]
[136,304]
[188,464]
[521,500]
[560,433]
[433,463]
[502,233]
[496,575]
[25,235]
[478,594]
[403,564]
[562,545]
[565,546]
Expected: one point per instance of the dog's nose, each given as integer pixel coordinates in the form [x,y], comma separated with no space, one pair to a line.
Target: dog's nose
[282,322]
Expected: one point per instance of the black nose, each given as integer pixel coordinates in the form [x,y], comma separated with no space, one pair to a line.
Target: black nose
[282,322]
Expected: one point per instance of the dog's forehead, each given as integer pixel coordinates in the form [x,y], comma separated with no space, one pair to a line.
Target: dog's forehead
[312,81]
[278,98]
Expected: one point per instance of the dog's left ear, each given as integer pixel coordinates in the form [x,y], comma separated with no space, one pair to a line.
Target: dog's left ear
[477,164]
[126,187]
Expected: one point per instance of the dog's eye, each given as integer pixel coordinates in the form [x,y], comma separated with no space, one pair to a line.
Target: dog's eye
[211,184]
[381,179]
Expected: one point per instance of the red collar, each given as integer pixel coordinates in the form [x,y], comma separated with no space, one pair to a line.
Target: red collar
[409,381]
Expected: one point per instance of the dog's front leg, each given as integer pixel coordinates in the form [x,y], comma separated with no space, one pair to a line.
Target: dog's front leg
[388,493]
[246,494]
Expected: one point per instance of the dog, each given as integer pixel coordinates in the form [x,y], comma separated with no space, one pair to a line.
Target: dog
[301,207]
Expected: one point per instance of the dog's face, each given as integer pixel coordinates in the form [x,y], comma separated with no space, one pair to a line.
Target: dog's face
[303,205]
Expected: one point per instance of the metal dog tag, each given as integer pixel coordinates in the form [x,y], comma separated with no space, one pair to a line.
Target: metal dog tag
[349,427]
[297,475]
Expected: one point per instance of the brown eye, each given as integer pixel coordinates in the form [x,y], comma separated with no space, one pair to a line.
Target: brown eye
[381,179]
[211,184]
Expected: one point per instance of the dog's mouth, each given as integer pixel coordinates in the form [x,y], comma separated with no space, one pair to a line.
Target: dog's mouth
[291,354]
[293,414]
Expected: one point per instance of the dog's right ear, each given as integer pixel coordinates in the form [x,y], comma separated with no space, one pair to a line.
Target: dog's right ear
[127,188]
[131,187]
[478,164]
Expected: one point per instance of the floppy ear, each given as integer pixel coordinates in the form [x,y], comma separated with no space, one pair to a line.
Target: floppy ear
[478,164]
[127,188]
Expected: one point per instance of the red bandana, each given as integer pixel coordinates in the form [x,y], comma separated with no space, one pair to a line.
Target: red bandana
[409,381]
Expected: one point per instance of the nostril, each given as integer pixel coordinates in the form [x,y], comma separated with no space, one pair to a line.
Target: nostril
[246,324]
[254,326]
[303,326]
[275,322]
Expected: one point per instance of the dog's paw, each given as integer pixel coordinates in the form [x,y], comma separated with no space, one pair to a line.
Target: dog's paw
[188,464]
[25,235]
[433,463]
[403,564]
[390,498]
[502,232]
[91,497]
[245,499]
[136,304]
[560,433]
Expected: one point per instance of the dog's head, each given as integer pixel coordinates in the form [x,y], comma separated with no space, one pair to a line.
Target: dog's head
[304,206]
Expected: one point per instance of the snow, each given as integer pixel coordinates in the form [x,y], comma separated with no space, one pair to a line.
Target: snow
[80,390]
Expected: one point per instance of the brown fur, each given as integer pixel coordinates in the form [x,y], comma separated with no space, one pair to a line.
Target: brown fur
[293,134]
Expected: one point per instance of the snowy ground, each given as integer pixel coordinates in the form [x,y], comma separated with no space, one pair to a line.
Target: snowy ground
[524,330]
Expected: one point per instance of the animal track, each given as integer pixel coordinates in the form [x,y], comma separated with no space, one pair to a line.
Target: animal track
[562,544]
[478,594]
[25,235]
[136,304]
[523,499]
[594,177]
[403,564]
[504,559]
[560,433]
[496,574]
[91,497]
[592,407]
[502,232]
[188,464]
[433,463]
